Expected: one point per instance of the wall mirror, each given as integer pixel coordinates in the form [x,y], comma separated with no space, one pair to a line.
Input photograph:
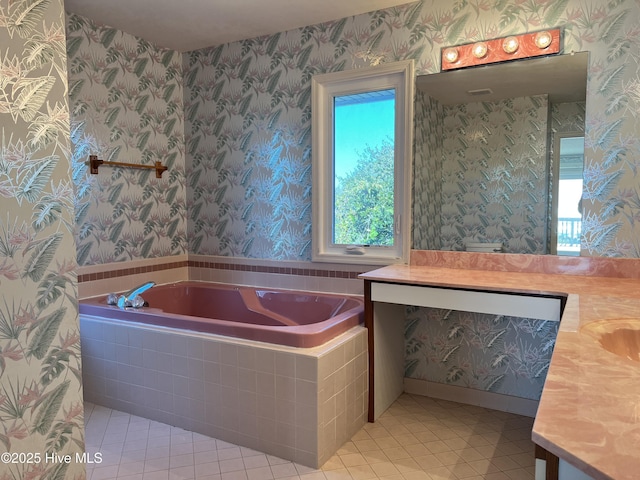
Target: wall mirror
[498,157]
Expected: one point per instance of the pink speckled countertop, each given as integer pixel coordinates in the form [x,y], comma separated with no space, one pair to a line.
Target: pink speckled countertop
[589,413]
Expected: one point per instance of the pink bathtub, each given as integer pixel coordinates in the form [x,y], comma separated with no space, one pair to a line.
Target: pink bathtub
[298,319]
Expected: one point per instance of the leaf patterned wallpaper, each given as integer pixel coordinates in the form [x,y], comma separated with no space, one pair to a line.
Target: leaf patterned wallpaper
[126,106]
[493,353]
[233,122]
[427,173]
[247,115]
[41,408]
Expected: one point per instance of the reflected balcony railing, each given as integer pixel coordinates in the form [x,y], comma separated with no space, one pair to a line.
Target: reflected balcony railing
[569,231]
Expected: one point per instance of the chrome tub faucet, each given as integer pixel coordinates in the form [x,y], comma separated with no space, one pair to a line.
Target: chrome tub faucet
[132,298]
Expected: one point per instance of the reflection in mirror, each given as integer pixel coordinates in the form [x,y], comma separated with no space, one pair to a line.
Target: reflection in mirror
[485,170]
[566,222]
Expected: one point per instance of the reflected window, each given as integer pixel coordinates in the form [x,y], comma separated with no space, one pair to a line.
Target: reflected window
[570,167]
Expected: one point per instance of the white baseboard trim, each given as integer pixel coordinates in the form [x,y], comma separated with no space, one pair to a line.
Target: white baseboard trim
[480,398]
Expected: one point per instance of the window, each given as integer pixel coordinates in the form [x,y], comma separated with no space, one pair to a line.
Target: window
[362,157]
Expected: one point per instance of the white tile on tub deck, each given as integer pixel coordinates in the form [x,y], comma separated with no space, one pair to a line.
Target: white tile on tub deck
[285,364]
[306,367]
[306,416]
[136,337]
[196,389]
[151,378]
[248,403]
[195,347]
[306,392]
[149,359]
[228,354]
[164,362]
[135,356]
[93,348]
[247,357]
[285,387]
[149,339]
[285,412]
[196,367]
[179,345]
[180,385]
[164,343]
[212,373]
[266,384]
[229,397]
[265,360]
[211,351]
[230,419]
[247,380]
[229,376]
[180,365]
[266,406]
[165,382]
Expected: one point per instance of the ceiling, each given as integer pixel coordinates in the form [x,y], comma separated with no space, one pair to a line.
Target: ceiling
[194,24]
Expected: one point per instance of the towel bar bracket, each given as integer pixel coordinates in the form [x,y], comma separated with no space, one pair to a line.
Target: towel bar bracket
[95,162]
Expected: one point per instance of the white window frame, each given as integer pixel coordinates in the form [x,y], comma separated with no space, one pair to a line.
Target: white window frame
[324,87]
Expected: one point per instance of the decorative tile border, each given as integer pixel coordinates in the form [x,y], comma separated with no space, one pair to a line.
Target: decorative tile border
[217,265]
[306,272]
[125,272]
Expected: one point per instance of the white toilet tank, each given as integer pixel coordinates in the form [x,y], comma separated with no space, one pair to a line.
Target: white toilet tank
[484,247]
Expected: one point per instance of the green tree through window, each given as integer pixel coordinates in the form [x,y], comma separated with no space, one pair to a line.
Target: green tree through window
[364,199]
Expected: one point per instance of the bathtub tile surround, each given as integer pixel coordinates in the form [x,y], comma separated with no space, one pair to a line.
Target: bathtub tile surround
[298,404]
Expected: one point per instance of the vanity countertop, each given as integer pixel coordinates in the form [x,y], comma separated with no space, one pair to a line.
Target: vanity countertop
[589,412]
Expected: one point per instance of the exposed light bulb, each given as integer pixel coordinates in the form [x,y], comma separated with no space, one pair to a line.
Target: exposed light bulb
[479,50]
[451,55]
[543,40]
[510,45]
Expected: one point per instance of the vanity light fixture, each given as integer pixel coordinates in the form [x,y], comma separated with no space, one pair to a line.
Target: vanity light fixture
[512,47]
[510,44]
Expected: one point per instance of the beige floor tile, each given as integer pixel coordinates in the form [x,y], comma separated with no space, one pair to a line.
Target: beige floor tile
[418,438]
[375,456]
[353,459]
[407,465]
[366,445]
[437,447]
[449,458]
[361,472]
[396,453]
[441,473]
[339,474]
[334,463]
[428,462]
[385,469]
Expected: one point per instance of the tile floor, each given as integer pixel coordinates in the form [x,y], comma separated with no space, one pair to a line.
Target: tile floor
[418,438]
